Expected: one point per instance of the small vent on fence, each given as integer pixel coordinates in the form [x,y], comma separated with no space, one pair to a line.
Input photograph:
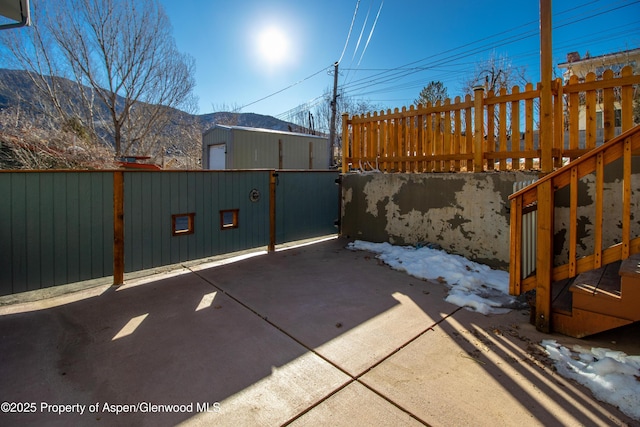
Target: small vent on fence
[529,225]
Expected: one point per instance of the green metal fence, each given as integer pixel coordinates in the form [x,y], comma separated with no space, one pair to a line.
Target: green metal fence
[55,228]
[58,227]
[152,198]
[306,204]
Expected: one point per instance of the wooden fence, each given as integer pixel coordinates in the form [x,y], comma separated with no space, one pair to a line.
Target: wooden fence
[491,131]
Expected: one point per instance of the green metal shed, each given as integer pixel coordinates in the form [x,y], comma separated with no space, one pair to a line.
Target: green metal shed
[237,147]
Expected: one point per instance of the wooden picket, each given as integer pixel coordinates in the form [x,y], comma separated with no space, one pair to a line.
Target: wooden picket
[489,131]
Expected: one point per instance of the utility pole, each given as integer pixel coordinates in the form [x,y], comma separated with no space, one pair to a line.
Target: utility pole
[546,78]
[544,229]
[332,125]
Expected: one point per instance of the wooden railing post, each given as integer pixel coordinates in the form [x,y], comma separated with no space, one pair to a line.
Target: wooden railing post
[515,247]
[558,123]
[118,228]
[478,129]
[544,256]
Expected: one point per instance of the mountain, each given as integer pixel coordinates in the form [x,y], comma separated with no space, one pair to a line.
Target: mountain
[251,120]
[16,86]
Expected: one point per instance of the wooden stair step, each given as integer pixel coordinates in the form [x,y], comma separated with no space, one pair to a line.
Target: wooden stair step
[595,292]
[583,323]
[597,300]
[603,282]
[606,296]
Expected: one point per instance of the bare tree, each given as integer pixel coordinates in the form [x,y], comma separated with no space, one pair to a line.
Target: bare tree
[123,57]
[29,141]
[34,50]
[495,73]
[345,104]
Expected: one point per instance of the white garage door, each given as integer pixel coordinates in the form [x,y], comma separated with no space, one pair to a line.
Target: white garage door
[217,156]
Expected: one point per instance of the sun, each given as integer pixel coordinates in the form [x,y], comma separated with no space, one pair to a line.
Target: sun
[273,46]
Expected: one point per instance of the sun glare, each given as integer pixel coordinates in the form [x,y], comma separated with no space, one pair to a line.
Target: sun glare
[273,46]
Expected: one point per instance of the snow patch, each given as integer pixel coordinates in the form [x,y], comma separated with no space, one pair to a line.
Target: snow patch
[472,285]
[612,376]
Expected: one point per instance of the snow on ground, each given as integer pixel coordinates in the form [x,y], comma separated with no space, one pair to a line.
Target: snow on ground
[612,376]
[471,285]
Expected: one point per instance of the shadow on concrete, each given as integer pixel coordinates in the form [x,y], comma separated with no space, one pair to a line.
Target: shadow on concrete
[267,340]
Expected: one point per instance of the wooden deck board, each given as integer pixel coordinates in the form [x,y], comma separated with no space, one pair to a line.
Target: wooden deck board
[606,279]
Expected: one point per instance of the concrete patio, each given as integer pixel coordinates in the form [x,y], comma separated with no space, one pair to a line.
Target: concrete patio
[314,335]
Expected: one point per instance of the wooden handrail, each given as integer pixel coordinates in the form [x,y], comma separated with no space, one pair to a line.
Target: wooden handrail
[542,193]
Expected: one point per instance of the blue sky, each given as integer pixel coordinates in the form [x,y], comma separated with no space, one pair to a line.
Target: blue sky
[447,38]
[272,56]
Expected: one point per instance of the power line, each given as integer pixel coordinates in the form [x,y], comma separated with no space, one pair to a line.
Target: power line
[371,33]
[397,73]
[364,24]
[452,57]
[355,13]
[282,90]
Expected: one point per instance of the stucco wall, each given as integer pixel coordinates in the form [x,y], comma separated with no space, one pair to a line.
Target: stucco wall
[468,213]
[464,213]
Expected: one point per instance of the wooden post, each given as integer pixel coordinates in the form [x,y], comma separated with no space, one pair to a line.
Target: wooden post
[478,129]
[546,77]
[273,180]
[597,229]
[626,199]
[558,123]
[544,256]
[627,100]
[118,228]
[608,113]
[515,247]
[345,142]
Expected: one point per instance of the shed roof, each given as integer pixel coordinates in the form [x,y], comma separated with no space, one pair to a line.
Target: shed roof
[262,130]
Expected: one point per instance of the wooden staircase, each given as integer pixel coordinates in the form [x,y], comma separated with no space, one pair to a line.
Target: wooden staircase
[598,300]
[597,287]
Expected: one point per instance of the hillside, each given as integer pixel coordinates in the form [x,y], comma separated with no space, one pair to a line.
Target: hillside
[16,87]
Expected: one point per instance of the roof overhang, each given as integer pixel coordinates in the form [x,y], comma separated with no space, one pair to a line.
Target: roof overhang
[16,13]
[606,57]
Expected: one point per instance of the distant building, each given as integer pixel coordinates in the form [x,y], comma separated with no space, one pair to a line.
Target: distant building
[581,66]
[237,147]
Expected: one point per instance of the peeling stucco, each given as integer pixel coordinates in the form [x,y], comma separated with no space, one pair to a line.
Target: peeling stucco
[377,191]
[466,214]
[347,196]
